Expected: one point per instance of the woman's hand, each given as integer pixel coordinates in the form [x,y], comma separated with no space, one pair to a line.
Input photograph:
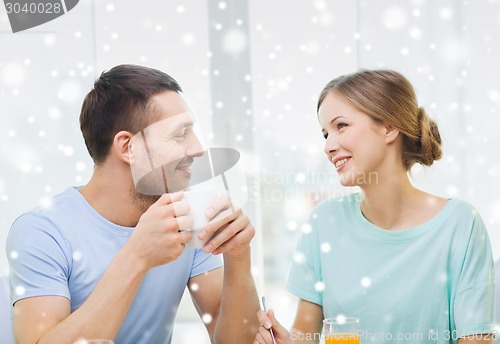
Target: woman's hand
[269,322]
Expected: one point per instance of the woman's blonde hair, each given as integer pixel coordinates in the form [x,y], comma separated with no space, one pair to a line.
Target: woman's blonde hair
[388,97]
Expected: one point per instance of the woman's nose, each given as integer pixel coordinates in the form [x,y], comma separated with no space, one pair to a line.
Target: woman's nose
[331,145]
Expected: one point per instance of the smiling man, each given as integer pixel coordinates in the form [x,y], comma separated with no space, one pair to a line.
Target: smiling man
[108,261]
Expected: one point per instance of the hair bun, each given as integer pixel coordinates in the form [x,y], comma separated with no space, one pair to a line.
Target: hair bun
[430,139]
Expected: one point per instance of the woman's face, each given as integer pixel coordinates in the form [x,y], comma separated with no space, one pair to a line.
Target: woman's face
[355,144]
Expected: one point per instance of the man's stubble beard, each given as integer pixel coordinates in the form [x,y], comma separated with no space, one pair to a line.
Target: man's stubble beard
[142,202]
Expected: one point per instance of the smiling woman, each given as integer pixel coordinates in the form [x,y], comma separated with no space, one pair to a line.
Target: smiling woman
[366,92]
[401,260]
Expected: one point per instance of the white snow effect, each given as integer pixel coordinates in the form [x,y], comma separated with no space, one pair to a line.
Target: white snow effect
[453,51]
[299,257]
[311,48]
[234,41]
[341,319]
[415,33]
[46,202]
[300,177]
[320,5]
[325,247]
[366,282]
[494,96]
[319,286]
[446,13]
[20,290]
[54,113]
[67,150]
[395,18]
[326,18]
[306,228]
[207,318]
[494,211]
[49,39]
[188,39]
[70,92]
[77,255]
[80,166]
[14,74]
[452,191]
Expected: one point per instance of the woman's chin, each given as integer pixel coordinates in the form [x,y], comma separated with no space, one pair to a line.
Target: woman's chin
[347,182]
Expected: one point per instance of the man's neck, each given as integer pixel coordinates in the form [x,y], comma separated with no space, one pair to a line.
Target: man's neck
[109,193]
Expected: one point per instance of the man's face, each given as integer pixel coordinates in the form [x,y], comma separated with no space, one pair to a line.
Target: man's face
[163,152]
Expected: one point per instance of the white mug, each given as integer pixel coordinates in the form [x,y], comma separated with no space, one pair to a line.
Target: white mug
[199,201]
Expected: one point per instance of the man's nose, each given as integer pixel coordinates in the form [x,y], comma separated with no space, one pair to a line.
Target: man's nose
[195,148]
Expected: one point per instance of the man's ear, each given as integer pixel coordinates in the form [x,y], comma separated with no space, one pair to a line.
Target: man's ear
[122,147]
[391,133]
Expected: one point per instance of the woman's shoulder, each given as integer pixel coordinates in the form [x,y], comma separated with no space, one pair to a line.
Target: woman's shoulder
[455,206]
[464,209]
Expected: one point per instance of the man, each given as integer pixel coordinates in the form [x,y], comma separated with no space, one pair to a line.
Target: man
[105,261]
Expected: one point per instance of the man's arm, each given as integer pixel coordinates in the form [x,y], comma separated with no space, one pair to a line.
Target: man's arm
[155,241]
[47,319]
[239,301]
[229,294]
[306,328]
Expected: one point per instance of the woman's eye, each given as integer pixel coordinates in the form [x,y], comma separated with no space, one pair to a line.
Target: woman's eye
[341,125]
[325,135]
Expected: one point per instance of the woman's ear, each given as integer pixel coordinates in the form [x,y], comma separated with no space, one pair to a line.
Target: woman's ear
[391,133]
[122,147]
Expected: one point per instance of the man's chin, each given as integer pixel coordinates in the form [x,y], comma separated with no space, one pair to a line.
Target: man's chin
[143,202]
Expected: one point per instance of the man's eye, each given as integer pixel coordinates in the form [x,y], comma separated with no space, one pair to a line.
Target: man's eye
[181,135]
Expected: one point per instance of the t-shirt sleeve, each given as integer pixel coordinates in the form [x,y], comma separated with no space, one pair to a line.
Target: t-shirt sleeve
[305,275]
[204,262]
[475,298]
[38,259]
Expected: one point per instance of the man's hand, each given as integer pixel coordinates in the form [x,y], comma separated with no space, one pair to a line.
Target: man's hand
[233,230]
[156,239]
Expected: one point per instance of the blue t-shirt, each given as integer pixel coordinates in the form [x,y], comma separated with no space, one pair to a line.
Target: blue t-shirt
[432,283]
[65,248]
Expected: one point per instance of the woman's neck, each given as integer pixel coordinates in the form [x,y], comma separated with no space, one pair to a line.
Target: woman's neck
[393,203]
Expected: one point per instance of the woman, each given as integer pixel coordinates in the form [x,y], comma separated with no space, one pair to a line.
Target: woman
[412,266]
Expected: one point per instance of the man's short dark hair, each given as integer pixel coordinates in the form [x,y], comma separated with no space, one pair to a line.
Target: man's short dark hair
[120,100]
